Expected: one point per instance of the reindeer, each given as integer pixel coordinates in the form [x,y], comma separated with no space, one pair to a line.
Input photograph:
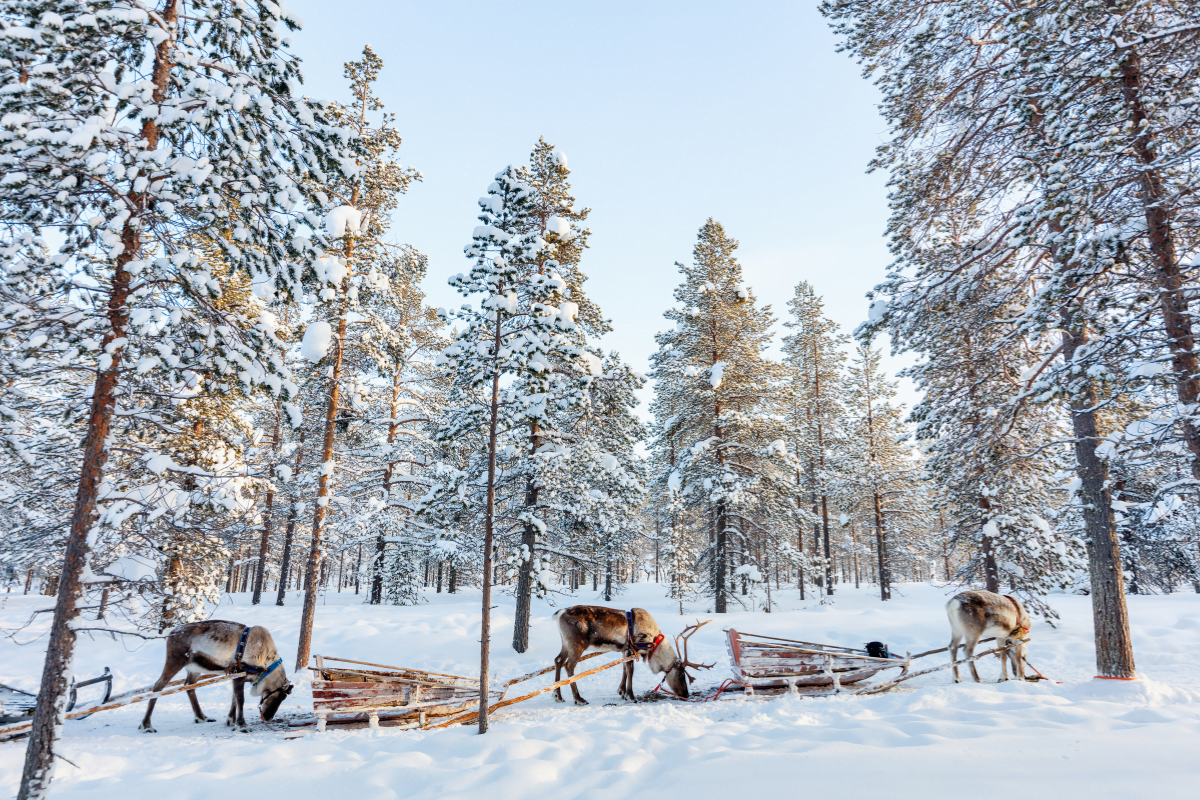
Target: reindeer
[976,614]
[216,646]
[595,628]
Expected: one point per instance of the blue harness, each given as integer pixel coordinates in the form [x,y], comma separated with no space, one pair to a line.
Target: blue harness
[238,666]
[644,649]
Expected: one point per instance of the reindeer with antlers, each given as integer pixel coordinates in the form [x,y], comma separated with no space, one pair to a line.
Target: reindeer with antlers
[595,628]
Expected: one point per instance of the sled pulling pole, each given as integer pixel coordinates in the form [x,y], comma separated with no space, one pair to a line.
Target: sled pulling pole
[473,715]
[126,699]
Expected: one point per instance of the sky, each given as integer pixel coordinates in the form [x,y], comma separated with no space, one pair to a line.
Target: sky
[669,113]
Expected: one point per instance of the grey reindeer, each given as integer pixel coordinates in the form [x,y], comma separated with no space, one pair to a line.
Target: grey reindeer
[216,646]
[977,614]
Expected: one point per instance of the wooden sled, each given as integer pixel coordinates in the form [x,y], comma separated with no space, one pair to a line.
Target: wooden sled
[410,698]
[770,665]
[348,695]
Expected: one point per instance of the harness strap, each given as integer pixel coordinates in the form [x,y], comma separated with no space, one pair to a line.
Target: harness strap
[237,665]
[645,649]
[264,673]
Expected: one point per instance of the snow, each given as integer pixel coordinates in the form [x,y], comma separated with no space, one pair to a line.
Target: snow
[343,219]
[595,366]
[330,269]
[932,740]
[131,568]
[877,310]
[560,226]
[318,338]
[717,374]
[568,310]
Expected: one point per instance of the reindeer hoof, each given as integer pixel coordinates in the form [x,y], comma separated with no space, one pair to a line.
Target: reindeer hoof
[198,720]
[558,698]
[144,728]
[229,722]
[243,728]
[581,702]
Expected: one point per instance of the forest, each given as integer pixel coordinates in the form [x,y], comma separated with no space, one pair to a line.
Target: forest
[221,373]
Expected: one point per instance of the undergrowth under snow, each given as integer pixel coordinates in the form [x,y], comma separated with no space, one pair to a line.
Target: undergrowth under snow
[929,739]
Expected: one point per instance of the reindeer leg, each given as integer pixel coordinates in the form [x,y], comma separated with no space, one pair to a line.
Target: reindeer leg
[973,640]
[559,660]
[627,682]
[192,678]
[173,665]
[1004,656]
[570,665]
[239,702]
[954,657]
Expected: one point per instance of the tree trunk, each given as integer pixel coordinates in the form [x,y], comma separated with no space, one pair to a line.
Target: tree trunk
[720,565]
[1169,279]
[528,544]
[991,573]
[289,535]
[1110,616]
[485,626]
[268,524]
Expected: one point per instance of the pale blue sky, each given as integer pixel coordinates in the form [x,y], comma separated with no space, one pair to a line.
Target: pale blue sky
[669,112]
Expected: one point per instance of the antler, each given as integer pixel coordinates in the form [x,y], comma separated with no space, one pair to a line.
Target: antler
[686,633]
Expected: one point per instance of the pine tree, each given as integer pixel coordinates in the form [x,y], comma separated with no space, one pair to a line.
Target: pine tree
[165,128]
[875,468]
[814,356]
[517,332]
[713,408]
[347,274]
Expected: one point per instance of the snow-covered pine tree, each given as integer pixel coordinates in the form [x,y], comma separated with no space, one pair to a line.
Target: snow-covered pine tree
[814,358]
[713,394]
[981,116]
[134,133]
[517,334]
[879,477]
[559,224]
[594,486]
[365,198]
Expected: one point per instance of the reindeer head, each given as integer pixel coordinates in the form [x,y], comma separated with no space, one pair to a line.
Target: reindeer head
[677,678]
[272,688]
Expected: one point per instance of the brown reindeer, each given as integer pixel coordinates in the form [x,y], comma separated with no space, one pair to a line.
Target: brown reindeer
[595,628]
[977,614]
[216,646]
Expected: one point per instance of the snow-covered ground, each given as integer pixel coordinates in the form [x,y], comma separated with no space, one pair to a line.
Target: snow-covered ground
[930,739]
